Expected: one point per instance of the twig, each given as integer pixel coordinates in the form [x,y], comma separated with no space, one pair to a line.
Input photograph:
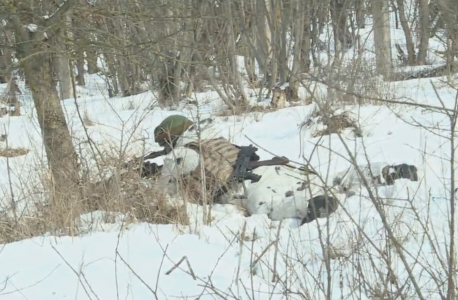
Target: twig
[274,277]
[80,276]
[138,277]
[262,253]
[184,258]
[242,238]
[10,184]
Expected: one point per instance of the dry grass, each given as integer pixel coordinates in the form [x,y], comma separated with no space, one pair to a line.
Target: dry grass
[336,123]
[242,110]
[128,193]
[124,194]
[13,152]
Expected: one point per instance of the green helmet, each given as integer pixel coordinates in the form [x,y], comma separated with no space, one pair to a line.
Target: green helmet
[171,128]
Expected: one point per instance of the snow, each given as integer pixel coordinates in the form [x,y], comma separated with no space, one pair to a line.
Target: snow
[236,256]
[32,27]
[88,265]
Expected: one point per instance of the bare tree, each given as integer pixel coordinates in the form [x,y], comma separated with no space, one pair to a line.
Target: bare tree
[35,42]
[382,36]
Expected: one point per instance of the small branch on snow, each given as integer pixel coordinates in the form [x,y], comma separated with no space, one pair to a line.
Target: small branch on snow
[184,258]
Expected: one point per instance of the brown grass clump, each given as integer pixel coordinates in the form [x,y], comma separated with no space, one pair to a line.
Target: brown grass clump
[240,110]
[139,198]
[25,227]
[125,193]
[13,152]
[336,124]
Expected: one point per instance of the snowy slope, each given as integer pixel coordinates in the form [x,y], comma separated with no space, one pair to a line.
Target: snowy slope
[268,259]
[87,267]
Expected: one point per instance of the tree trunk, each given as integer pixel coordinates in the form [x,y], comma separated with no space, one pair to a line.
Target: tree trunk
[283,41]
[6,60]
[298,31]
[79,43]
[62,62]
[60,153]
[382,37]
[339,18]
[236,78]
[56,136]
[424,31]
[265,38]
[250,56]
[411,59]
[360,14]
[91,57]
[57,140]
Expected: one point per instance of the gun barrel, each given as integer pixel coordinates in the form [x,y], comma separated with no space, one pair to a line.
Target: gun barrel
[155,154]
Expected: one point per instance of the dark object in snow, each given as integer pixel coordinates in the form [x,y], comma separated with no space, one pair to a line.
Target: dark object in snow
[241,167]
[281,94]
[391,173]
[320,207]
[150,169]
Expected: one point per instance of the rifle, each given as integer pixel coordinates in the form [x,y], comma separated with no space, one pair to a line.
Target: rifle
[155,154]
[147,168]
[243,168]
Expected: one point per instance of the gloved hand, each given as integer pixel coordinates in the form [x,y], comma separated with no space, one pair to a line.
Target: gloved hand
[149,169]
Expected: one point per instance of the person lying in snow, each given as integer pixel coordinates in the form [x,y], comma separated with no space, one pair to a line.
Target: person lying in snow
[213,164]
[177,131]
[223,173]
[282,192]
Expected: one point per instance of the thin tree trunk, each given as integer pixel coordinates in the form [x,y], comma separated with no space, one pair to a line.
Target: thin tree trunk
[382,37]
[6,55]
[235,74]
[425,31]
[265,38]
[249,57]
[283,41]
[62,62]
[57,140]
[79,43]
[408,33]
[298,29]
[360,14]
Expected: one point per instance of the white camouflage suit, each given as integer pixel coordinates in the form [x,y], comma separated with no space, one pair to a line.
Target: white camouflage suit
[282,192]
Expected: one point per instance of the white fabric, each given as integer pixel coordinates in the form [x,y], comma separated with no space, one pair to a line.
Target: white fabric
[349,178]
[171,171]
[277,195]
[189,162]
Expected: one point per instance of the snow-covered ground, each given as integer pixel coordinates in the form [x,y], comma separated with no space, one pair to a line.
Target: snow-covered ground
[132,262]
[237,257]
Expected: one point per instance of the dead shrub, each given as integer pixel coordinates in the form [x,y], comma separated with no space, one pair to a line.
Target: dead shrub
[13,152]
[333,122]
[160,211]
[128,193]
[336,124]
[124,193]
[241,110]
[12,230]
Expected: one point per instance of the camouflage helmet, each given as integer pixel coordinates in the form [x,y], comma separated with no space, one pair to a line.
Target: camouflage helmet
[170,128]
